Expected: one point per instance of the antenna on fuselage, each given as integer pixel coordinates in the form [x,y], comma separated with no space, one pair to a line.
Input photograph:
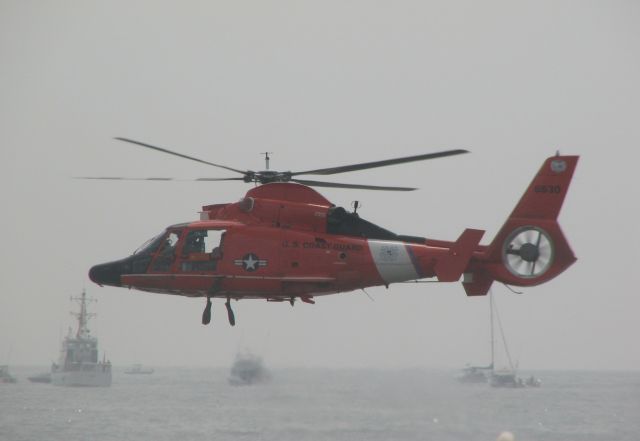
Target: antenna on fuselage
[266,158]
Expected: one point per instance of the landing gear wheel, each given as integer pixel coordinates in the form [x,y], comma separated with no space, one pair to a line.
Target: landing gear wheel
[206,314]
[230,314]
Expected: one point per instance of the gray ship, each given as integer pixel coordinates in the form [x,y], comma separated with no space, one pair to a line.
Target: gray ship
[248,369]
[78,364]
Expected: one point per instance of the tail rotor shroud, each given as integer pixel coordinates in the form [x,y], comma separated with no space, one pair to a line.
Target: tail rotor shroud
[528,252]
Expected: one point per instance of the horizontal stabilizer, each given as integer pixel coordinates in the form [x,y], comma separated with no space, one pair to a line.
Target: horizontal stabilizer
[451,267]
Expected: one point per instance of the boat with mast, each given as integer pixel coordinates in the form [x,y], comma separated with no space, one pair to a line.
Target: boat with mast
[481,374]
[78,364]
[504,376]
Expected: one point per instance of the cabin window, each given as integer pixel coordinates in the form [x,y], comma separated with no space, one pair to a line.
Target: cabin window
[341,222]
[202,250]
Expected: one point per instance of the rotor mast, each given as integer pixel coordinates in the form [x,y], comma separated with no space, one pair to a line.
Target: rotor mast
[266,158]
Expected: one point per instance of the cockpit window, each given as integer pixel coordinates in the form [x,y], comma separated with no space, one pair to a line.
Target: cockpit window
[171,240]
[151,245]
[167,253]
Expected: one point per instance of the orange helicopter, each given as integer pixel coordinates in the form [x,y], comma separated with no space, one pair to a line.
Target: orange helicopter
[284,241]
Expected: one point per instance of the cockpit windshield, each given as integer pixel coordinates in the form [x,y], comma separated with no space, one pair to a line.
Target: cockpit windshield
[151,245]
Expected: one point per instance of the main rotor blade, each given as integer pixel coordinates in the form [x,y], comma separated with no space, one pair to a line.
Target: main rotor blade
[357,186]
[160,149]
[366,165]
[119,178]
[218,179]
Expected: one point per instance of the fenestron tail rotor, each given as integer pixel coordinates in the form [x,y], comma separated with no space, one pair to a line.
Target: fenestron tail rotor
[268,176]
[528,252]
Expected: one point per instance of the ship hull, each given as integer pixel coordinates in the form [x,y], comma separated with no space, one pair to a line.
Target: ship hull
[82,378]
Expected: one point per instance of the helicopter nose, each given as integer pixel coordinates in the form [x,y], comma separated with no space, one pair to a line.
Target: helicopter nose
[108,273]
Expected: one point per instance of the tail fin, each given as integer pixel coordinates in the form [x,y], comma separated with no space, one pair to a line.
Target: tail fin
[451,267]
[530,248]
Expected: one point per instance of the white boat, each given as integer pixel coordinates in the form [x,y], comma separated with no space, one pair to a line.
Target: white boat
[471,374]
[78,364]
[41,378]
[138,369]
[5,376]
[505,376]
[474,374]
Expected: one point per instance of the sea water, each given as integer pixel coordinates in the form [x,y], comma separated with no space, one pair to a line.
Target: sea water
[322,404]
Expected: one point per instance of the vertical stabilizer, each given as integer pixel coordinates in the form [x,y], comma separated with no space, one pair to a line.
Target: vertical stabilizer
[530,248]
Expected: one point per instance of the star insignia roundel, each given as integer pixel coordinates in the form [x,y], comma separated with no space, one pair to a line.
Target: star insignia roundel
[250,262]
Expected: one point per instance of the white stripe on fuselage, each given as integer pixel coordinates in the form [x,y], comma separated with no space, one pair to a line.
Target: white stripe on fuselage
[393,261]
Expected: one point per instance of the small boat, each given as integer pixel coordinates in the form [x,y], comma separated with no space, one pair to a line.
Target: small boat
[5,376]
[138,369]
[248,369]
[41,378]
[505,378]
[474,374]
[533,382]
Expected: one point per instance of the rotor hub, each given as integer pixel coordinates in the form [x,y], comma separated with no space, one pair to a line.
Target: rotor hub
[529,252]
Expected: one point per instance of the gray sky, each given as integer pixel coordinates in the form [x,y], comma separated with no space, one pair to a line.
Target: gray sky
[320,84]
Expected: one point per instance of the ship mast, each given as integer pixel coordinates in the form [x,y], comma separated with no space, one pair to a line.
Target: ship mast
[491,324]
[83,316]
[494,310]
